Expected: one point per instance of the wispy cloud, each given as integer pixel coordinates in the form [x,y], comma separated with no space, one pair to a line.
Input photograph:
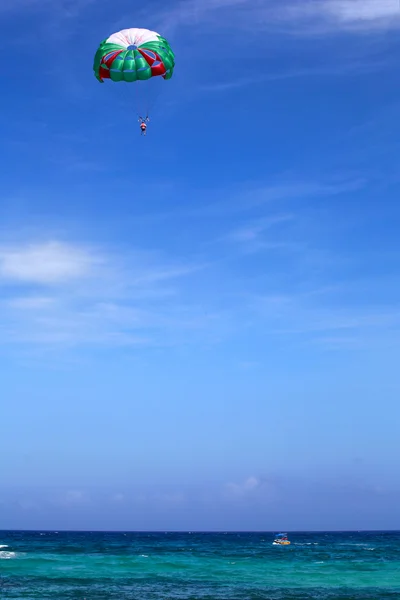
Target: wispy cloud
[196,11]
[252,196]
[252,230]
[347,14]
[64,9]
[343,69]
[118,498]
[288,16]
[61,293]
[54,19]
[259,235]
[316,317]
[30,303]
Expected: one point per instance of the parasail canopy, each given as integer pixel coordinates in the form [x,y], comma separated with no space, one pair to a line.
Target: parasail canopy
[134,55]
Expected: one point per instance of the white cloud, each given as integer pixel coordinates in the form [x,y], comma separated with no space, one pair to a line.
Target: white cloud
[259,489]
[248,486]
[48,263]
[73,498]
[251,483]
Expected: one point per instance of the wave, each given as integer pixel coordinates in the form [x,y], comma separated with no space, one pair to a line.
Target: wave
[3,546]
[7,555]
[306,544]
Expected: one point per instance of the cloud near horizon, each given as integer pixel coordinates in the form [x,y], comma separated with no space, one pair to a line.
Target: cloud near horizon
[254,504]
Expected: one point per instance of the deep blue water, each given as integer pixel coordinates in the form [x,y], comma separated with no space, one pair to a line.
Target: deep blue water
[203,566]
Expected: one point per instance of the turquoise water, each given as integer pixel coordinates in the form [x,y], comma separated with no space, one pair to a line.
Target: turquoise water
[237,566]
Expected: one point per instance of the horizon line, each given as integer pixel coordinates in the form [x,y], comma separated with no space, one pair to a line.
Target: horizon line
[224,531]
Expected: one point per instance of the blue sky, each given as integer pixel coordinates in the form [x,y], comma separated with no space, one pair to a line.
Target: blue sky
[201,329]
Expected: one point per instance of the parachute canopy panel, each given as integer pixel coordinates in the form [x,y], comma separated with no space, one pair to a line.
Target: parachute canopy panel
[134,55]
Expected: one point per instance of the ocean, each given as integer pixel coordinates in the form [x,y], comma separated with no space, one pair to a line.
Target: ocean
[199,566]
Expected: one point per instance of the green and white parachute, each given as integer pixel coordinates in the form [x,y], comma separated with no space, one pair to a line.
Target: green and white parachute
[134,55]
